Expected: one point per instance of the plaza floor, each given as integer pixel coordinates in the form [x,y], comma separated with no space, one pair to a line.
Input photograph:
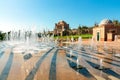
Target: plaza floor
[56,63]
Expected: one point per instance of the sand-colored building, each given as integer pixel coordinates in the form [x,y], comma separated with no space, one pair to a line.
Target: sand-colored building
[61,28]
[106,31]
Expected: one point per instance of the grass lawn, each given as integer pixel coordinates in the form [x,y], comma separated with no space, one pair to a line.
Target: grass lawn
[84,36]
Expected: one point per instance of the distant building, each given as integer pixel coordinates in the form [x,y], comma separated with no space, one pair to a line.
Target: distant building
[61,28]
[106,31]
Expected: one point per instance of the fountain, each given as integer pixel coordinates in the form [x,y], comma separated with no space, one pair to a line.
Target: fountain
[101,62]
[26,41]
[101,67]
[72,40]
[23,45]
[79,42]
[71,53]
[78,65]
[56,40]
[92,43]
[78,57]
[80,39]
[93,46]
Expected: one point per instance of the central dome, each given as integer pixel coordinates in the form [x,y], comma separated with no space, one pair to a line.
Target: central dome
[62,22]
[105,22]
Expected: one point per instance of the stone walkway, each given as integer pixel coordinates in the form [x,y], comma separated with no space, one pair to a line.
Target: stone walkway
[54,64]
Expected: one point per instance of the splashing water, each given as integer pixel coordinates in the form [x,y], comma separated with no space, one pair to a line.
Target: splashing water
[27,40]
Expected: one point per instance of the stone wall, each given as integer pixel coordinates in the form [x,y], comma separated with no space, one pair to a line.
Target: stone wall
[109,36]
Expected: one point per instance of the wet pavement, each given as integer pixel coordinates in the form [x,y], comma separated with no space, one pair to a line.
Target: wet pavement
[58,63]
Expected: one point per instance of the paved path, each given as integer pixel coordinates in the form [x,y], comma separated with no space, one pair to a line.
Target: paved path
[15,71]
[51,64]
[64,72]
[4,59]
[44,69]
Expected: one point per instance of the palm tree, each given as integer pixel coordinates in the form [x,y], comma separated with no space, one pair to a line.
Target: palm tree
[2,35]
[79,29]
[84,29]
[116,23]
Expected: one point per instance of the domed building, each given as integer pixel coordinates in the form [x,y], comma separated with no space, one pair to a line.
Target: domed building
[106,31]
[61,28]
[106,22]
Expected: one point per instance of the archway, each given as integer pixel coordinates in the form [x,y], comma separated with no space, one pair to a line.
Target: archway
[98,36]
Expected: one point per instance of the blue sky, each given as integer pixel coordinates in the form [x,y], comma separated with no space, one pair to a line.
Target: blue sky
[45,13]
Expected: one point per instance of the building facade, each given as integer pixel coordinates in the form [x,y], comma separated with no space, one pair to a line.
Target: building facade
[61,29]
[106,31]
